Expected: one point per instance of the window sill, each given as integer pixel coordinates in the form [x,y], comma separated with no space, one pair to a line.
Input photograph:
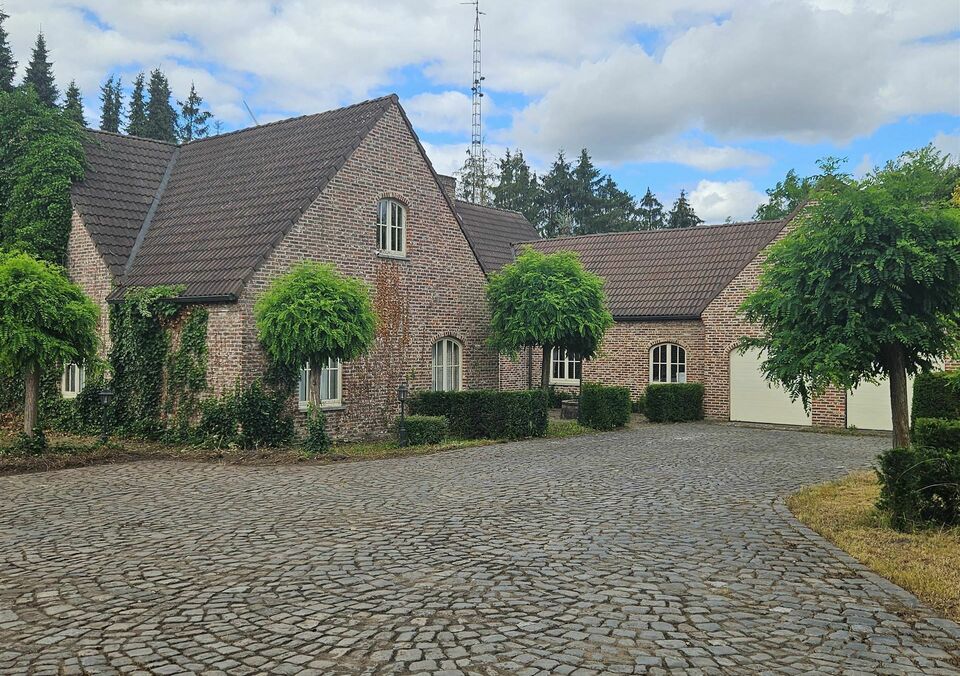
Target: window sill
[68,395]
[565,382]
[392,256]
[332,408]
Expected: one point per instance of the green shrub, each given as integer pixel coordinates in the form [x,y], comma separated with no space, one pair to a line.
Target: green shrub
[937,433]
[920,486]
[218,421]
[424,430]
[478,414]
[639,404]
[555,397]
[27,445]
[317,440]
[674,402]
[604,408]
[936,394]
[249,417]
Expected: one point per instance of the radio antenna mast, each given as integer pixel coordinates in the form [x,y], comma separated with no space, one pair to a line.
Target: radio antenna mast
[477,165]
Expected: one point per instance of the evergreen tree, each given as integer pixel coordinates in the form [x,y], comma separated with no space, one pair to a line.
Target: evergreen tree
[110,105]
[40,74]
[682,215]
[616,210]
[137,117]
[557,194]
[161,117]
[73,106]
[518,188]
[650,212]
[482,174]
[586,181]
[8,66]
[194,122]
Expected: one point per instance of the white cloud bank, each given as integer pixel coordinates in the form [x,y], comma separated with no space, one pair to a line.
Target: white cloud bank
[715,201]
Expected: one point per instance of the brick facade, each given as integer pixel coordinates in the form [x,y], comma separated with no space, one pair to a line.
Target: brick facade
[86,268]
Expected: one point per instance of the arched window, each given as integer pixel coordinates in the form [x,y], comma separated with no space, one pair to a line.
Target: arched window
[446,365]
[392,228]
[330,385]
[564,367]
[668,364]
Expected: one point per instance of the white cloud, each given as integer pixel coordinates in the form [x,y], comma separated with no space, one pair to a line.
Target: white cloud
[446,158]
[704,157]
[444,112]
[864,167]
[715,201]
[949,144]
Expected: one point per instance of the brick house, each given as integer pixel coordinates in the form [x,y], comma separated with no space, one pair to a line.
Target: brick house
[225,215]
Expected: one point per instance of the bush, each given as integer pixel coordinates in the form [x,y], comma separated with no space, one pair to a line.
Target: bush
[249,417]
[424,430]
[920,486]
[604,408]
[218,421]
[478,414]
[674,402]
[639,405]
[555,397]
[937,433]
[936,394]
[317,440]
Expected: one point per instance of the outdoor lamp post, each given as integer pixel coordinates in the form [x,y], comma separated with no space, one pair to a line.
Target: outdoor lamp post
[106,396]
[402,393]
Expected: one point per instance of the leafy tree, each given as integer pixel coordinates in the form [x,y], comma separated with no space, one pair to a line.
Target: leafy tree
[682,215]
[111,104]
[312,314]
[40,74]
[475,179]
[137,115]
[547,300]
[785,197]
[8,66]
[45,321]
[161,117]
[73,106]
[867,286]
[194,122]
[557,190]
[650,213]
[518,188]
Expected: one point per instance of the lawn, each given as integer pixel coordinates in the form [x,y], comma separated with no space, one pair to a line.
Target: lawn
[925,562]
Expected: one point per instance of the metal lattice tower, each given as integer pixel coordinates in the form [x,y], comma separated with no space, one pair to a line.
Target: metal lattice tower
[476,127]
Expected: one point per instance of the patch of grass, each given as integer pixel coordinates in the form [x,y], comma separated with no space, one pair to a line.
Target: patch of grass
[925,562]
[561,429]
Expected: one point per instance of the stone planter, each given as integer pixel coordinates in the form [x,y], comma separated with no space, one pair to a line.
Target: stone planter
[570,409]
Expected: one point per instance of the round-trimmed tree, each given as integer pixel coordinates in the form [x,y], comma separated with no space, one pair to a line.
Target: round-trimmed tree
[548,301]
[45,321]
[312,314]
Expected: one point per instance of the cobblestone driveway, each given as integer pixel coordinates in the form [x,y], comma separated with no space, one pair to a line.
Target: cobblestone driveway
[657,549]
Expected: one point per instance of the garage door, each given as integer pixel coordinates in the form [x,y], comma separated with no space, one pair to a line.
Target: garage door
[868,406]
[753,399]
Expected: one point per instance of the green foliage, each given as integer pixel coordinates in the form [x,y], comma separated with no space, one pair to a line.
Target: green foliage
[475,178]
[186,374]
[82,415]
[518,188]
[194,121]
[425,430]
[250,417]
[920,486]
[137,113]
[317,440]
[161,122]
[604,408]
[564,429]
[8,66]
[73,105]
[937,433]
[35,444]
[639,405]
[674,402]
[111,104]
[784,198]
[936,394]
[555,397]
[650,213]
[39,74]
[682,215]
[478,414]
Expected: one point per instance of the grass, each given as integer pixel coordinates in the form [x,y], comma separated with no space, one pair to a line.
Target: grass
[561,429]
[925,562]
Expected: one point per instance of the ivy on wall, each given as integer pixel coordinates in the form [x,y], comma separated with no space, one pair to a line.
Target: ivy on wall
[186,376]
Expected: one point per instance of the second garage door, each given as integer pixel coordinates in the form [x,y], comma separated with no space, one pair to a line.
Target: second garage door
[753,399]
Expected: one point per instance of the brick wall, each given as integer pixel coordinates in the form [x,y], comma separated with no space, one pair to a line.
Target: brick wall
[86,268]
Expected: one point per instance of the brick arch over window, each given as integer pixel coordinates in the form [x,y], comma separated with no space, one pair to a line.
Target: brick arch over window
[668,362]
[446,364]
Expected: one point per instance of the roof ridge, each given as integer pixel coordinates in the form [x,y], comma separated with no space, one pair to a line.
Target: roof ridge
[168,144]
[710,226]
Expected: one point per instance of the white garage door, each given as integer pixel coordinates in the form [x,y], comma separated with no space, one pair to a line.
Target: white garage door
[753,399]
[868,406]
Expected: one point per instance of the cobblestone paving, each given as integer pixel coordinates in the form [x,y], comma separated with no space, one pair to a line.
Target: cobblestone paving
[656,550]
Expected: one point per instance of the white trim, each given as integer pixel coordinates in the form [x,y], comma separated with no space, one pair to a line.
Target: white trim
[389,231]
[72,375]
[446,373]
[568,365]
[303,386]
[667,358]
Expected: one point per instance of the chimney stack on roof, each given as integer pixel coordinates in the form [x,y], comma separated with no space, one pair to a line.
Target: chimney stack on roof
[449,185]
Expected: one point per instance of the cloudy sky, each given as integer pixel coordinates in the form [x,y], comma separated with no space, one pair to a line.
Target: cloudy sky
[718,97]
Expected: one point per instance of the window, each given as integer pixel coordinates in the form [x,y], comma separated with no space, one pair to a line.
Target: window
[446,365]
[74,378]
[565,367]
[668,364]
[329,385]
[392,228]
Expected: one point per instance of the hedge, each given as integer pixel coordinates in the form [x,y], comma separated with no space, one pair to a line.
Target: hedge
[604,408]
[555,397]
[640,404]
[936,394]
[423,430]
[920,486]
[937,433]
[674,402]
[478,414]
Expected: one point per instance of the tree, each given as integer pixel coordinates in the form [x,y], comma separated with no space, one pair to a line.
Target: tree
[866,286]
[45,321]
[682,215]
[161,117]
[475,179]
[547,300]
[312,314]
[615,210]
[650,212]
[40,74]
[137,115]
[518,188]
[111,105]
[557,198]
[73,106]
[194,122]
[785,197]
[8,67]
[585,181]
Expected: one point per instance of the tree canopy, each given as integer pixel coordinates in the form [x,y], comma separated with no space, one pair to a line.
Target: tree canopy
[73,104]
[111,104]
[194,121]
[137,111]
[161,121]
[682,215]
[40,74]
[518,188]
[8,66]
[867,285]
[788,194]
[650,212]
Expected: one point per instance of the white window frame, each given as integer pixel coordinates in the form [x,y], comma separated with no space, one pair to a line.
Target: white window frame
[391,228]
[447,373]
[303,386]
[670,360]
[565,368]
[76,373]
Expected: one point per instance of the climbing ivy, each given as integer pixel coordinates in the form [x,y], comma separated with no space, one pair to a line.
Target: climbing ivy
[187,369]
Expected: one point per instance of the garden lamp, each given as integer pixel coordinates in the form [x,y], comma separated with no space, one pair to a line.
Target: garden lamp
[402,393]
[106,396]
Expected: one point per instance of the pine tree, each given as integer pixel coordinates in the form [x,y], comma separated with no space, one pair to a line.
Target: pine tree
[40,74]
[616,209]
[8,66]
[111,104]
[73,106]
[137,117]
[194,122]
[161,117]
[584,206]
[518,188]
[482,174]
[650,212]
[682,215]
[557,191]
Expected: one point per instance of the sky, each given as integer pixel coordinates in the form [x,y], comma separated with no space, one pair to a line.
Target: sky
[716,97]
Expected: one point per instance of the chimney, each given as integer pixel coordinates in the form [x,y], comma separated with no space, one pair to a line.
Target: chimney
[449,185]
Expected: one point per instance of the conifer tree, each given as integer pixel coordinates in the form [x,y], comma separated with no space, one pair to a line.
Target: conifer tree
[8,66]
[682,215]
[481,174]
[110,105]
[40,74]
[194,122]
[161,117]
[586,181]
[518,188]
[650,212]
[73,105]
[557,190]
[137,115]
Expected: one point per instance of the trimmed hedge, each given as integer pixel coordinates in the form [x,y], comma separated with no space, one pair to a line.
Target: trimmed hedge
[639,404]
[479,414]
[937,433]
[423,430]
[604,408]
[936,394]
[920,486]
[674,402]
[555,397]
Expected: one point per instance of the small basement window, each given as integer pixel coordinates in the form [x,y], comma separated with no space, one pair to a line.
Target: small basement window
[392,228]
[668,364]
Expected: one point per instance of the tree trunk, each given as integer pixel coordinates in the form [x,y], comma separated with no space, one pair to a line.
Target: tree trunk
[313,386]
[545,368]
[31,395]
[899,396]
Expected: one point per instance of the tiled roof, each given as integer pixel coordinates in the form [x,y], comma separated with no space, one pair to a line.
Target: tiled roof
[667,274]
[492,233]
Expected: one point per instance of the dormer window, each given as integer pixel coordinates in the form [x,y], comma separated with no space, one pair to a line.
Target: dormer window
[392,228]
